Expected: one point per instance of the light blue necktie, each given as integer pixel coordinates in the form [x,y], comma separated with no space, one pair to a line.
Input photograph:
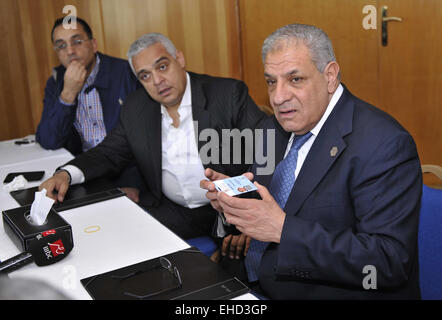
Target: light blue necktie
[280,188]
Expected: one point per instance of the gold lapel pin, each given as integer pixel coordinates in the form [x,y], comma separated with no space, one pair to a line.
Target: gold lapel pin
[334,151]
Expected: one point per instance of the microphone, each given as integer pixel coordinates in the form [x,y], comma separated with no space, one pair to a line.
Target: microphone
[46,248]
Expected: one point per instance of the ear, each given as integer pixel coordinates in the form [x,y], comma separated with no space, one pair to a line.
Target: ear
[180,58]
[94,45]
[331,73]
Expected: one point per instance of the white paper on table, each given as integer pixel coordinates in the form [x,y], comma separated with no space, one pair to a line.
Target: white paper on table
[18,183]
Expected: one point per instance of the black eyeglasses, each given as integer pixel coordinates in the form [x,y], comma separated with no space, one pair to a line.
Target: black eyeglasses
[164,263]
[61,46]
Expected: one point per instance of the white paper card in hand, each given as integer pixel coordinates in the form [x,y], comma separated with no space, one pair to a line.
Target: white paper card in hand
[40,207]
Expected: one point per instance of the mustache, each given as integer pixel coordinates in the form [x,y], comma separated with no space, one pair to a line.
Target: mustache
[72,58]
[286,107]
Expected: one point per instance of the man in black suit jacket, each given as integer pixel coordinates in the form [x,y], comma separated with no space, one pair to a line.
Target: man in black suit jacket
[160,128]
[348,229]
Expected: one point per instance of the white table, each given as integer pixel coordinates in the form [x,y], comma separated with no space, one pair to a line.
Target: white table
[18,158]
[48,165]
[12,154]
[34,158]
[107,235]
[124,233]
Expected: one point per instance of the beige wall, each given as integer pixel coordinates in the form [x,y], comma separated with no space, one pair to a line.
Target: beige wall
[205,30]
[224,38]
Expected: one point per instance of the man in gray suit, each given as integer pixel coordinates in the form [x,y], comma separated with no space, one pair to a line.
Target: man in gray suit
[160,128]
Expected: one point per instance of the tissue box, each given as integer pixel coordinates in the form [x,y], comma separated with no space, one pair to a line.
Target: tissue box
[22,231]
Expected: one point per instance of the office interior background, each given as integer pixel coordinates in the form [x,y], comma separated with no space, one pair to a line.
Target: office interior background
[224,38]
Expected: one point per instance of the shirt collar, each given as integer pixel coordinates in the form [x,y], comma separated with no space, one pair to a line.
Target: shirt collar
[91,79]
[330,107]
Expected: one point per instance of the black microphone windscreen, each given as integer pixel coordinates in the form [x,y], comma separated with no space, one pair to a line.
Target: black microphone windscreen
[47,248]
[50,246]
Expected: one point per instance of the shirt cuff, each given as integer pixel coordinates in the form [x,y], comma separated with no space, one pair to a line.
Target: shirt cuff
[65,103]
[221,226]
[77,175]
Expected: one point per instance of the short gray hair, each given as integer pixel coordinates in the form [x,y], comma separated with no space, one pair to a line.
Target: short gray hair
[316,40]
[146,41]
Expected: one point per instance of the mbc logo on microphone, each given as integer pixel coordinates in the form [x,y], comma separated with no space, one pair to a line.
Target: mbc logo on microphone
[54,249]
[50,246]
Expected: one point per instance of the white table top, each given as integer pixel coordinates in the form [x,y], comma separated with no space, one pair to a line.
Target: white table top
[43,160]
[48,165]
[122,234]
[125,234]
[12,154]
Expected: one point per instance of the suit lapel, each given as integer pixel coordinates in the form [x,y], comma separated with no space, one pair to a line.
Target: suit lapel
[200,113]
[150,117]
[281,140]
[328,146]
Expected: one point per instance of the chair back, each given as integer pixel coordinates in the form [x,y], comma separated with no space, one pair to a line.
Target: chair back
[430,244]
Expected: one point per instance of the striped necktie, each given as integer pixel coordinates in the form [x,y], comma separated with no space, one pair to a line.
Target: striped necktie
[280,188]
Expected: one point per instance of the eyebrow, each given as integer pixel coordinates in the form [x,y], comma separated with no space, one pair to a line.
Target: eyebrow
[295,71]
[161,59]
[74,36]
[290,73]
[155,63]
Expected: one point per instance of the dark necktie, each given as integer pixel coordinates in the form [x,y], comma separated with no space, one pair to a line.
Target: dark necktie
[280,188]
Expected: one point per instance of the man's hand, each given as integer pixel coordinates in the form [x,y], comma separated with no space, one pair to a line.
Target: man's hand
[260,219]
[235,245]
[74,79]
[208,185]
[132,193]
[59,182]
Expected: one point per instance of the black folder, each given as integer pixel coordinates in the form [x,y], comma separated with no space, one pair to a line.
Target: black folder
[201,279]
[77,195]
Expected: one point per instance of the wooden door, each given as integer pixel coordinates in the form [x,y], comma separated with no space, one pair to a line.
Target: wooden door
[403,78]
[355,47]
[206,31]
[410,72]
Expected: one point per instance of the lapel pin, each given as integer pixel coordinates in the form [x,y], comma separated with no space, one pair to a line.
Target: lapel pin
[334,151]
[120,102]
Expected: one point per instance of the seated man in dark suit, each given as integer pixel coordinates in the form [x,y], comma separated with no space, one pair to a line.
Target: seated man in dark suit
[160,128]
[83,97]
[338,217]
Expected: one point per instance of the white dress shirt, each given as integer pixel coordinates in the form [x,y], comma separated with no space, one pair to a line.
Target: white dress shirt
[302,153]
[182,169]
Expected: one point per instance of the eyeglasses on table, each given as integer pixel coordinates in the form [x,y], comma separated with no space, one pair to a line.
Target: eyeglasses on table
[165,264]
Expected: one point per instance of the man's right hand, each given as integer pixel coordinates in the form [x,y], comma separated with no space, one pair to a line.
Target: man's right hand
[60,183]
[74,79]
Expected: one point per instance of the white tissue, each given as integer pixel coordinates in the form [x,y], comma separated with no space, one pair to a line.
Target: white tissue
[40,207]
[18,183]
